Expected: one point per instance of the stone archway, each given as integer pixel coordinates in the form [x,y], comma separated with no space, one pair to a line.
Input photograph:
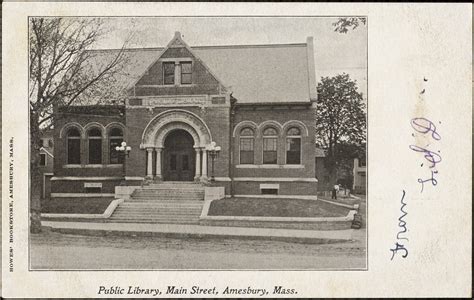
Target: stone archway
[160,127]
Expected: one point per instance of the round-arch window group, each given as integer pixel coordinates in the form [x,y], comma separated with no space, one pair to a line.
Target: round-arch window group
[94,142]
[270,145]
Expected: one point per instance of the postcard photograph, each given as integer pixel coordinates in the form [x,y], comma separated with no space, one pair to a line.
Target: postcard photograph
[198,143]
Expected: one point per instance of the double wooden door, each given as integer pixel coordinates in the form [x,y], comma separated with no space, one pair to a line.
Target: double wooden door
[179,156]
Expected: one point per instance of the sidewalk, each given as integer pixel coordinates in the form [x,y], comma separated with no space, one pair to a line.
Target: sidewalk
[198,231]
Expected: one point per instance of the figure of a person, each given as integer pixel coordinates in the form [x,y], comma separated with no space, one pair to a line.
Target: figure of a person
[334,191]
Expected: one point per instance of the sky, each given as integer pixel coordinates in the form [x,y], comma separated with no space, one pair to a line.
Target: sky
[334,52]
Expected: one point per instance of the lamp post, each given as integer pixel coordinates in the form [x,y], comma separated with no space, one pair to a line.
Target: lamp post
[213,151]
[124,150]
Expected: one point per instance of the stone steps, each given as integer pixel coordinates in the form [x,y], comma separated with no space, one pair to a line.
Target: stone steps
[154,210]
[160,219]
[154,217]
[152,199]
[151,206]
[160,190]
[157,214]
[197,196]
[149,213]
[174,185]
[179,203]
[174,196]
[166,203]
[169,194]
[168,191]
[147,209]
[153,220]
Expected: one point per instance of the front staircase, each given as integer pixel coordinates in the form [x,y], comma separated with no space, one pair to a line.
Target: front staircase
[166,202]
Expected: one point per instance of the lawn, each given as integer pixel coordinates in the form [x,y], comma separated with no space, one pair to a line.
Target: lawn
[76,205]
[275,207]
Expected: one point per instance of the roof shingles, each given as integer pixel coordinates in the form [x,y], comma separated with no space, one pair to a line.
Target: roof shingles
[254,73]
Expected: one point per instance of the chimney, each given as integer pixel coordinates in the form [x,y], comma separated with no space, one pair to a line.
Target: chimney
[313,95]
[177,34]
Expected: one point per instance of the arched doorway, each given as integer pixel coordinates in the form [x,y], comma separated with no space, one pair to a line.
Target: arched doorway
[159,129]
[178,156]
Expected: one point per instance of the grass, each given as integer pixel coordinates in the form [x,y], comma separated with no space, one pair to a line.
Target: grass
[76,205]
[275,207]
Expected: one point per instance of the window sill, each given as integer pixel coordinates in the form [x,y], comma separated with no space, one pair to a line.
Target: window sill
[92,166]
[72,166]
[114,166]
[269,166]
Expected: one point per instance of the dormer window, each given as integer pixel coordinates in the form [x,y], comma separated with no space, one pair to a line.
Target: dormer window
[177,72]
[168,73]
[186,73]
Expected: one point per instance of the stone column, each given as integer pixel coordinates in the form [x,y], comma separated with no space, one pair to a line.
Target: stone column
[198,164]
[204,164]
[158,163]
[149,167]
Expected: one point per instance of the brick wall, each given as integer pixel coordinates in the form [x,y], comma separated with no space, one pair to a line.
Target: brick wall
[285,188]
[262,114]
[203,82]
[218,121]
[87,115]
[216,118]
[77,186]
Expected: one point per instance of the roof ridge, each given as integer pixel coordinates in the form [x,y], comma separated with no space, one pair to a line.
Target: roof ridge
[128,49]
[253,46]
[209,46]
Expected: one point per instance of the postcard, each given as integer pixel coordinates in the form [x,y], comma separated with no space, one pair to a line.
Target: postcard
[236,150]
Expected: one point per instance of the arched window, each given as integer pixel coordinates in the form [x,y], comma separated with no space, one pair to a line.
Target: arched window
[94,136]
[115,139]
[246,146]
[73,147]
[293,146]
[270,141]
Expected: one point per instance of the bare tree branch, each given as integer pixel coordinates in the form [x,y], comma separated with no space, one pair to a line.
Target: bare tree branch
[62,70]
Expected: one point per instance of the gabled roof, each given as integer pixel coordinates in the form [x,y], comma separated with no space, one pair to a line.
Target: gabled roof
[253,73]
[177,41]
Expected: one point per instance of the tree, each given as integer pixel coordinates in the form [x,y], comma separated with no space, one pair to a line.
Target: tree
[62,71]
[345,154]
[340,121]
[343,24]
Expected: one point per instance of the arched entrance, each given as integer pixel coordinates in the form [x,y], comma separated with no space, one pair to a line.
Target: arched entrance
[178,156]
[184,134]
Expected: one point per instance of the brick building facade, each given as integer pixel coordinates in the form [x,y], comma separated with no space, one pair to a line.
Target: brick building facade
[257,103]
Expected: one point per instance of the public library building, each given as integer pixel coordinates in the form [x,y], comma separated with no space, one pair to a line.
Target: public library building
[241,117]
